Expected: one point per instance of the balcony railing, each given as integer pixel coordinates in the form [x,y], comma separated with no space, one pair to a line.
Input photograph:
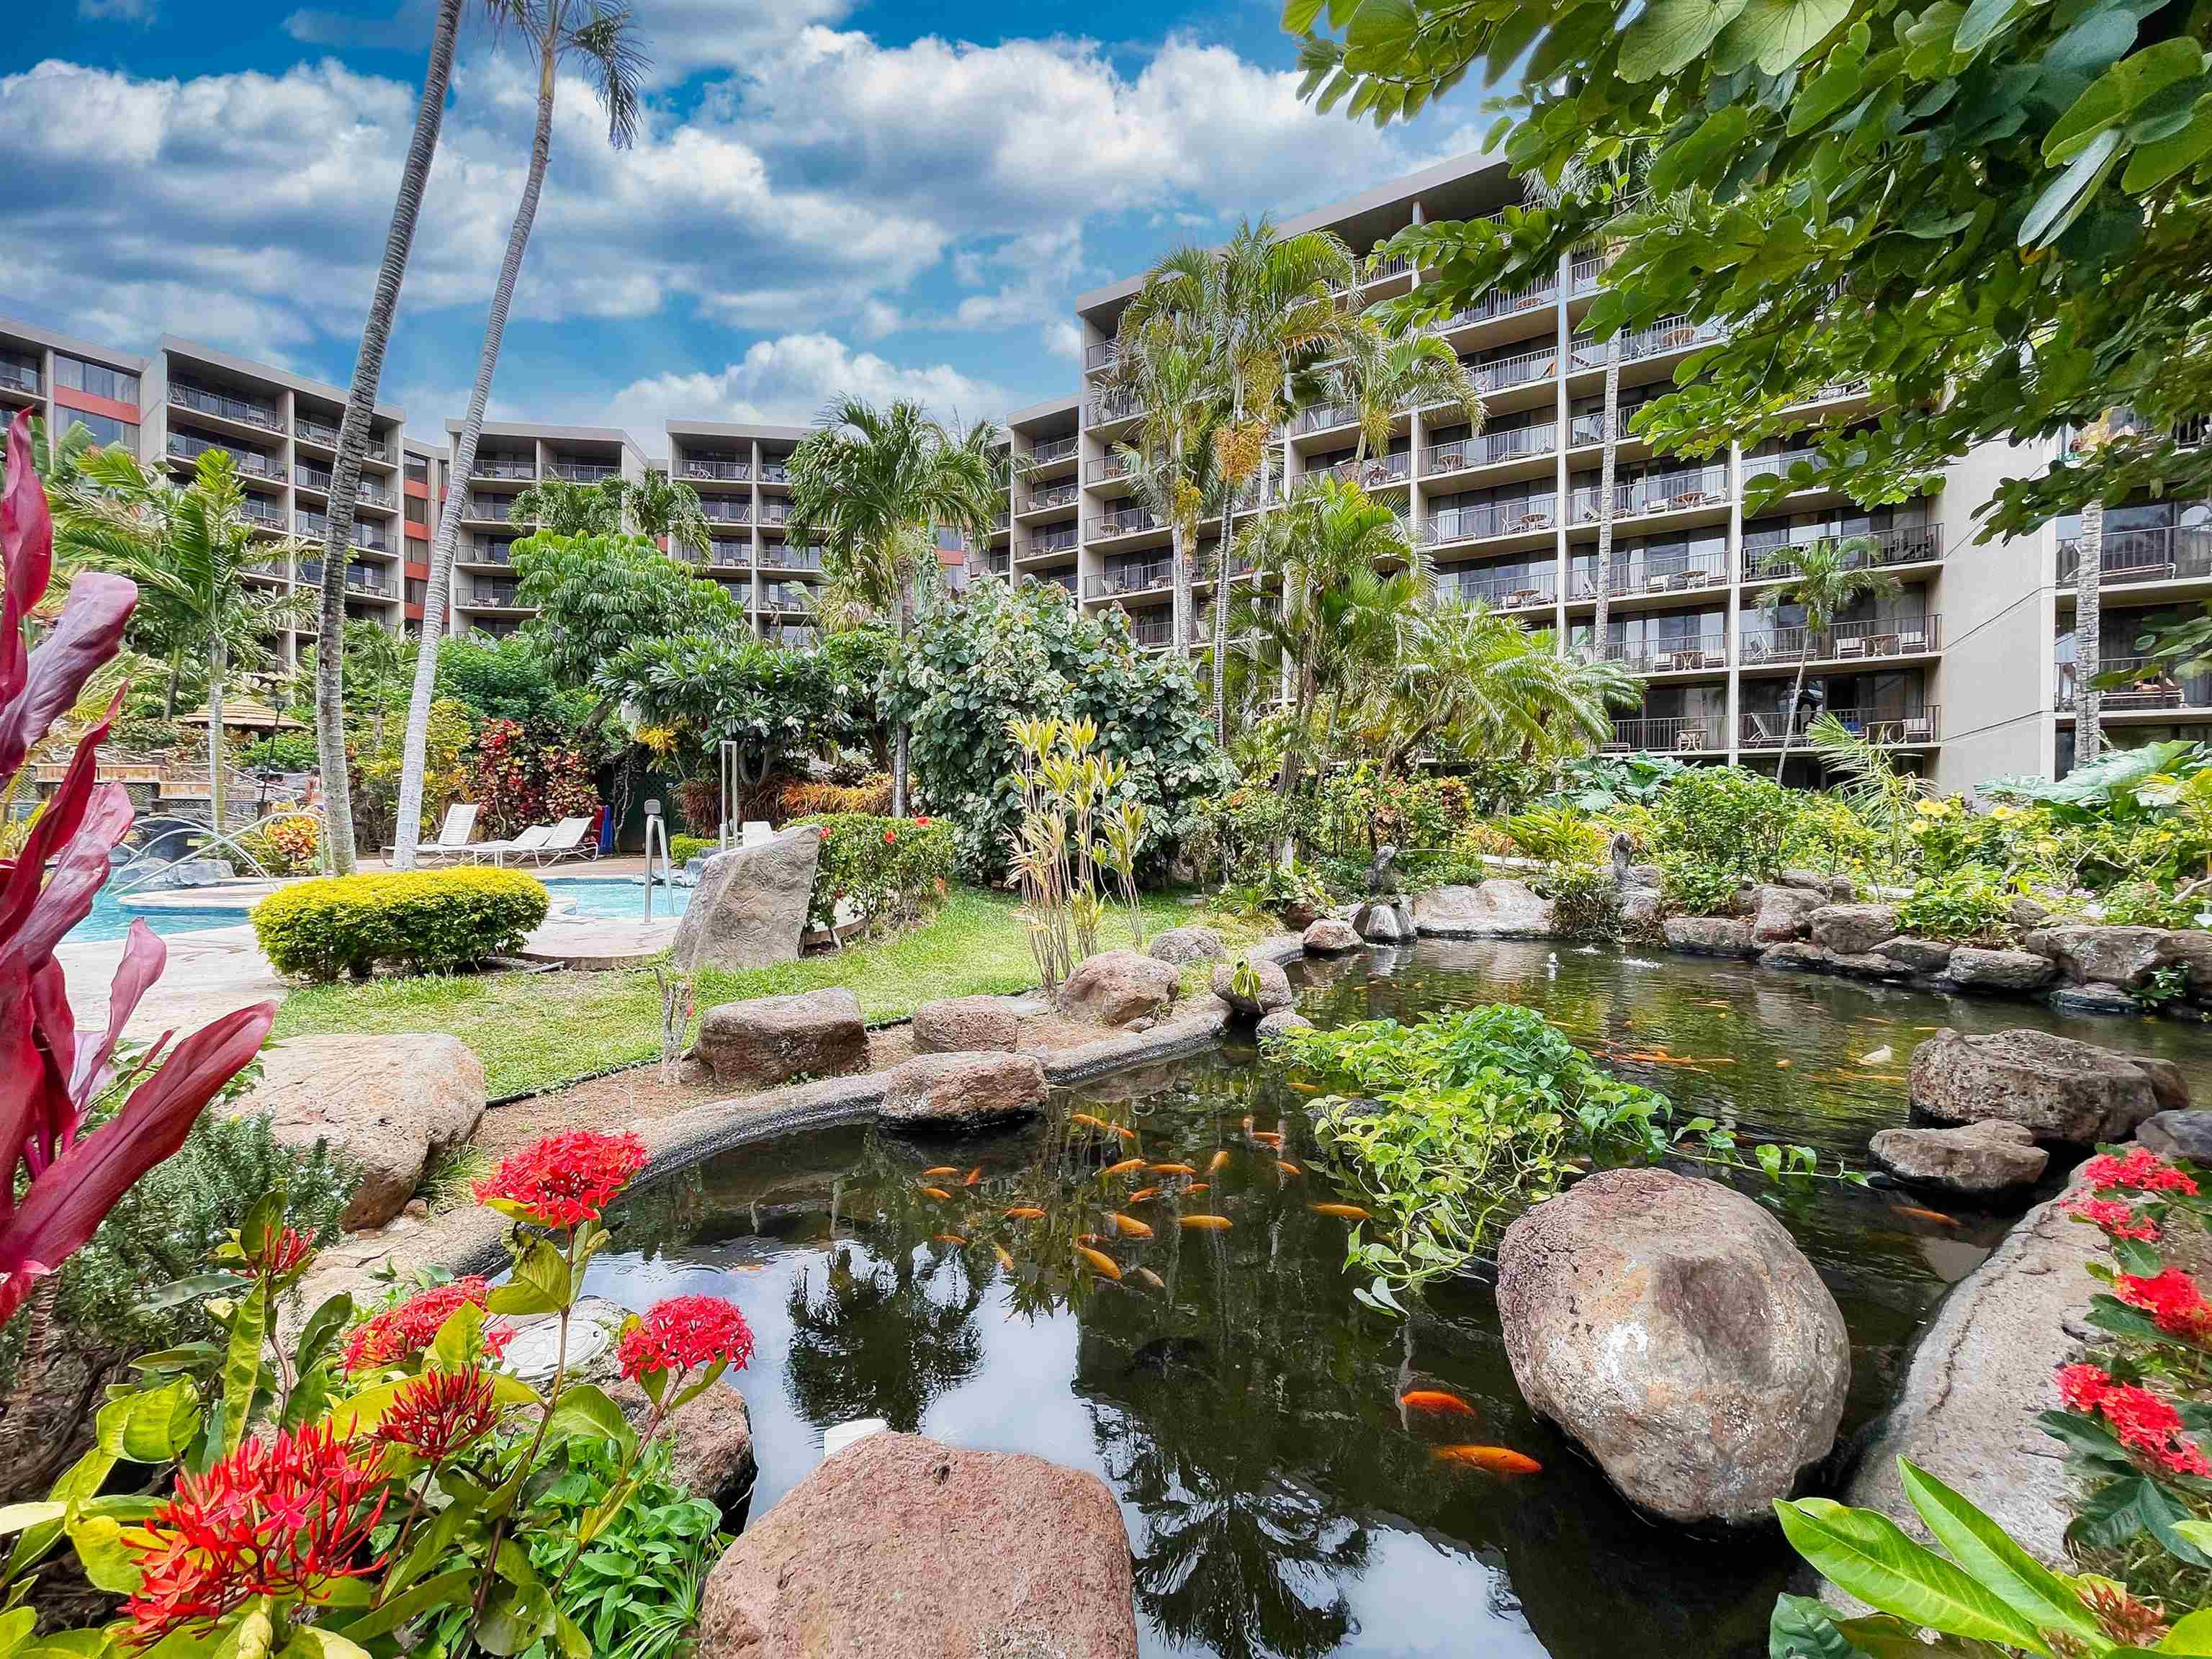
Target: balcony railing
[242,409]
[721,510]
[1101,407]
[494,596]
[1919,724]
[263,514]
[498,467]
[780,556]
[786,596]
[1676,734]
[1051,495]
[1128,522]
[1101,354]
[1662,492]
[1060,540]
[358,580]
[1132,579]
[1657,340]
[1487,449]
[1682,572]
[998,564]
[1851,641]
[1582,275]
[1052,450]
[583,471]
[1101,468]
[722,556]
[1501,304]
[1260,492]
[315,432]
[1775,467]
[1509,593]
[321,479]
[2149,685]
[1377,270]
[487,507]
[794,636]
[483,552]
[2165,553]
[1152,632]
[17,378]
[1376,471]
[1766,554]
[1469,523]
[777,512]
[251,462]
[1319,416]
[1700,653]
[775,471]
[1523,368]
[316,526]
[725,471]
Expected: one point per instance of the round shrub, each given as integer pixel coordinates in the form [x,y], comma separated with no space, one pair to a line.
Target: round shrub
[889,869]
[682,849]
[1970,903]
[427,921]
[1726,817]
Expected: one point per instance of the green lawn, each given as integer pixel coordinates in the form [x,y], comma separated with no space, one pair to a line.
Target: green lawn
[538,1031]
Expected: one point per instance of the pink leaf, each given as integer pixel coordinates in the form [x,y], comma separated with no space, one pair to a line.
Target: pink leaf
[86,635]
[27,553]
[79,871]
[143,956]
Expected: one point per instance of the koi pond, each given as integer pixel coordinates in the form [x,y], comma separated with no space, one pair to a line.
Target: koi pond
[1244,1408]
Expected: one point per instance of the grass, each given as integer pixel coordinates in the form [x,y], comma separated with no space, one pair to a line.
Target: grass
[538,1031]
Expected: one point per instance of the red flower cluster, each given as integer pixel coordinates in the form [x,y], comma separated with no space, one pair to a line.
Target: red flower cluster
[435,1414]
[2116,1218]
[2144,1423]
[284,1517]
[566,1179]
[685,1332]
[401,1333]
[922,818]
[2172,1299]
[2142,1170]
[889,835]
[283,1253]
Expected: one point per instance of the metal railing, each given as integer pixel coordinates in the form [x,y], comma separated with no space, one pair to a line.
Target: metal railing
[1487,449]
[251,462]
[241,409]
[1700,653]
[1372,269]
[1152,632]
[719,509]
[264,515]
[317,525]
[1101,468]
[1132,579]
[1766,554]
[494,596]
[1669,334]
[776,511]
[1051,495]
[2150,685]
[315,432]
[1101,407]
[20,378]
[781,556]
[1128,522]
[1060,540]
[998,564]
[1512,592]
[1848,641]
[1661,492]
[728,471]
[721,556]
[2163,554]
[775,472]
[1468,524]
[1675,734]
[1916,724]
[1376,471]
[359,579]
[1582,274]
[483,552]
[1052,450]
[1523,368]
[1101,354]
[583,471]
[1262,490]
[494,466]
[1316,417]
[786,596]
[487,507]
[1776,466]
[1498,303]
[1679,572]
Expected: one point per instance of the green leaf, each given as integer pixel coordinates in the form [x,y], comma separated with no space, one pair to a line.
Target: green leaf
[1800,1628]
[2193,1635]
[98,1540]
[152,1426]
[585,1413]
[241,1367]
[2151,164]
[2065,198]
[1777,34]
[1298,15]
[1866,1555]
[196,1288]
[447,1589]
[457,1339]
[1983,20]
[362,1413]
[320,1333]
[314,1641]
[1669,34]
[1983,1548]
[16,1627]
[540,1285]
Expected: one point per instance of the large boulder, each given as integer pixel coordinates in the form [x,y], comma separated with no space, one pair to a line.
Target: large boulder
[1670,1325]
[1852,929]
[1272,992]
[1384,921]
[1711,936]
[958,1025]
[391,1103]
[1778,912]
[1184,945]
[766,1041]
[963,1091]
[2059,1088]
[710,1440]
[898,1548]
[750,906]
[1330,936]
[2191,949]
[1975,1160]
[1118,988]
[1922,956]
[1500,908]
[1284,1021]
[2125,957]
[2182,1133]
[1974,968]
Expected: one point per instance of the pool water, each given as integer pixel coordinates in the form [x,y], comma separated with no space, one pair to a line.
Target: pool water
[616,897]
[109,920]
[1241,1405]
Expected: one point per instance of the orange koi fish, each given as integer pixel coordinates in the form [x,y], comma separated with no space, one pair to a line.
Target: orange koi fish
[1435,1399]
[1123,1130]
[1129,1226]
[1209,1224]
[1173,1169]
[1085,1117]
[1125,1167]
[1197,1187]
[1220,1158]
[1781,1064]
[1100,1261]
[941,1169]
[1025,1213]
[948,1238]
[1341,1211]
[1142,1193]
[1151,1278]
[974,1177]
[1919,1214]
[937,1193]
[1498,1460]
[1288,1167]
[1268,1138]
[1005,1260]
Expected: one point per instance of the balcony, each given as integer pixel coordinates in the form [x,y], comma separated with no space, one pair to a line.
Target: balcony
[1495,304]
[1052,450]
[996,563]
[718,509]
[1061,539]
[2168,553]
[1682,573]
[315,432]
[1130,521]
[781,556]
[251,463]
[1376,471]
[1680,734]
[1376,268]
[13,377]
[1844,642]
[359,579]
[1910,727]
[1777,466]
[263,515]
[1104,469]
[502,466]
[582,471]
[1584,274]
[1497,374]
[1766,554]
[775,512]
[483,552]
[1319,417]
[1100,355]
[1474,524]
[1658,339]
[793,636]
[786,597]
[244,411]
[1488,449]
[1700,654]
[1152,632]
[316,526]
[775,471]
[722,556]
[719,471]
[1522,591]
[493,595]
[1264,490]
[1101,408]
[493,508]
[2149,687]
[1662,492]
[1051,496]
[1148,578]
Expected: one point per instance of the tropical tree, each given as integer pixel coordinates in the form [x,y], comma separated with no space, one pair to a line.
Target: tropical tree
[597,595]
[1823,578]
[872,486]
[668,509]
[656,507]
[190,551]
[1382,373]
[353,426]
[1166,363]
[1266,305]
[597,38]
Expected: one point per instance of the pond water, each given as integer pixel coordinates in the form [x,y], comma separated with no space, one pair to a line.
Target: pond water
[1242,1407]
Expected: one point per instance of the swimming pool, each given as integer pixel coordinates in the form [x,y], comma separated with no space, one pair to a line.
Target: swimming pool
[617,898]
[111,920]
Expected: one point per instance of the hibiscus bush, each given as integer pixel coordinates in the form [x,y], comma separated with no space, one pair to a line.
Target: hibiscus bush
[888,870]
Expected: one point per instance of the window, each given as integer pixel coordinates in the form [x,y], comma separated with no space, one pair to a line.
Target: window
[106,428]
[96,379]
[418,551]
[417,590]
[418,515]
[418,469]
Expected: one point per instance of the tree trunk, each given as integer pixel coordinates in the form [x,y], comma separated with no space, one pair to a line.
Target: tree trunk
[1607,469]
[1180,552]
[353,442]
[1221,592]
[2089,644]
[214,734]
[1789,710]
[899,759]
[176,673]
[414,749]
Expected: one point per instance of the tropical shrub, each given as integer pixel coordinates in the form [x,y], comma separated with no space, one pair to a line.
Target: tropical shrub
[1361,807]
[888,869]
[1555,835]
[803,798]
[1729,818]
[376,768]
[682,849]
[1972,903]
[280,751]
[427,921]
[1690,885]
[508,679]
[1283,889]
[2146,904]
[519,781]
[1598,783]
[1241,832]
[1827,833]
[596,594]
[1585,905]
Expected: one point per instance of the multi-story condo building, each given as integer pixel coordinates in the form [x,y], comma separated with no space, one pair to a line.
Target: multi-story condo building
[61,380]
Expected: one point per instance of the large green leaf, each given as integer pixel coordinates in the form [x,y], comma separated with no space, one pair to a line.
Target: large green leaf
[1668,34]
[1800,1628]
[1777,33]
[241,1365]
[2192,1635]
[152,1426]
[1866,1555]
[540,1285]
[2065,197]
[585,1413]
[1988,1554]
[2150,165]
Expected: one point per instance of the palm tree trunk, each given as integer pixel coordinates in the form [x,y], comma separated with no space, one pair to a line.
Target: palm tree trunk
[214,734]
[899,736]
[176,673]
[1221,593]
[1179,550]
[1608,468]
[353,441]
[2088,629]
[1789,710]
[413,750]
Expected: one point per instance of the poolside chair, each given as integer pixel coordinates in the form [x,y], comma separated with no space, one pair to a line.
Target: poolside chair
[453,834]
[529,841]
[565,841]
[756,832]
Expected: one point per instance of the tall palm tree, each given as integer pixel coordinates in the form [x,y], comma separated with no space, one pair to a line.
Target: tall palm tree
[1382,373]
[655,506]
[872,486]
[353,429]
[1824,578]
[190,550]
[2089,614]
[1267,305]
[665,508]
[598,38]
[1167,362]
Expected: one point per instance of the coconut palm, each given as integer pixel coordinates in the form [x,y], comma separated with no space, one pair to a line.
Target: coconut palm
[597,38]
[668,509]
[1266,305]
[872,486]
[2089,614]
[191,551]
[1824,578]
[353,427]
[655,506]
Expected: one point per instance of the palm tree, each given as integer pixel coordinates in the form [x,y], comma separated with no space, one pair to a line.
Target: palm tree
[597,37]
[872,486]
[2089,613]
[1266,305]
[668,508]
[190,551]
[1823,578]
[1382,374]
[353,429]
[1166,361]
[654,506]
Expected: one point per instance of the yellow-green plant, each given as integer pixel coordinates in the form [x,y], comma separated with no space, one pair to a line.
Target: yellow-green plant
[1121,832]
[1063,784]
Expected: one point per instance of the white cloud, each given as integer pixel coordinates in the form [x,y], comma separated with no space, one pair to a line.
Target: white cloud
[117,11]
[1064,339]
[786,381]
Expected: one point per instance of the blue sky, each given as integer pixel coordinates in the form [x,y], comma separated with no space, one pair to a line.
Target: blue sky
[829,196]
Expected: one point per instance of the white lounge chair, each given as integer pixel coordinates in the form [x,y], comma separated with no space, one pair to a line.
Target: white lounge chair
[529,841]
[565,842]
[453,834]
[756,832]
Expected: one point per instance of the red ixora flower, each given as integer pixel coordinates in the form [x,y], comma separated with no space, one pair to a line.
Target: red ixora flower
[2140,1170]
[435,1414]
[922,818]
[283,1517]
[685,1333]
[2171,1298]
[400,1333]
[566,1179]
[2144,1422]
[889,835]
[2114,1216]
[282,1252]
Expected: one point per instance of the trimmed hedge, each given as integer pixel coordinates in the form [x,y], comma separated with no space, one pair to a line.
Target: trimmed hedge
[889,868]
[682,849]
[428,921]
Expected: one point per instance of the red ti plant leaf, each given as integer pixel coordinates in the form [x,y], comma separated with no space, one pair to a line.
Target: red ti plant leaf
[27,553]
[90,629]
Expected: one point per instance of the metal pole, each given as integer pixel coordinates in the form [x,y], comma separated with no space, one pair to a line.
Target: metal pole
[652,831]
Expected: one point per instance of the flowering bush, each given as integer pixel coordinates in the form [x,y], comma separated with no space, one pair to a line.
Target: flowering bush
[889,869]
[565,1180]
[520,782]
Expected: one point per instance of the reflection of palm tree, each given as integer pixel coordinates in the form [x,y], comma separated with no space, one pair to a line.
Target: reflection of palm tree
[878,1342]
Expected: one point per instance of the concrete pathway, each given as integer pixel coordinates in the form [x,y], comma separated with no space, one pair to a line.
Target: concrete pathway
[208,975]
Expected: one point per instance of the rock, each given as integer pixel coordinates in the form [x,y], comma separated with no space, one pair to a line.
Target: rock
[1974,968]
[963,1091]
[1329,937]
[1794,955]
[956,1025]
[2124,957]
[710,1440]
[1117,987]
[1500,908]
[1779,912]
[750,906]
[1836,889]
[392,1103]
[2094,1000]
[1640,907]
[2026,913]
[1976,1159]
[2167,1082]
[1922,956]
[2179,1134]
[766,1041]
[1869,964]
[1670,1325]
[2190,948]
[898,1548]
[1282,1022]
[1852,929]
[1711,936]
[2058,1088]
[1644,875]
[1273,992]
[1382,921]
[1182,946]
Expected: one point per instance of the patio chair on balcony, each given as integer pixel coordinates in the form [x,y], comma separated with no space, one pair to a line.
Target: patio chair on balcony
[1851,645]
[1915,728]
[1690,739]
[1766,730]
[1660,662]
[1716,657]
[1913,636]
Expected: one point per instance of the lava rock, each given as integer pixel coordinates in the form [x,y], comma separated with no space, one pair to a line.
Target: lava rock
[1281,1023]
[2190,948]
[2122,956]
[710,1440]
[766,1041]
[750,906]
[1117,988]
[1384,922]
[1922,956]
[2179,1134]
[964,1025]
[1273,992]
[1975,1160]
[964,1090]
[1974,968]
[1852,930]
[2058,1088]
[1184,945]
[1711,936]
[1779,912]
[1331,936]
[1794,955]
[1500,908]
[2094,1000]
